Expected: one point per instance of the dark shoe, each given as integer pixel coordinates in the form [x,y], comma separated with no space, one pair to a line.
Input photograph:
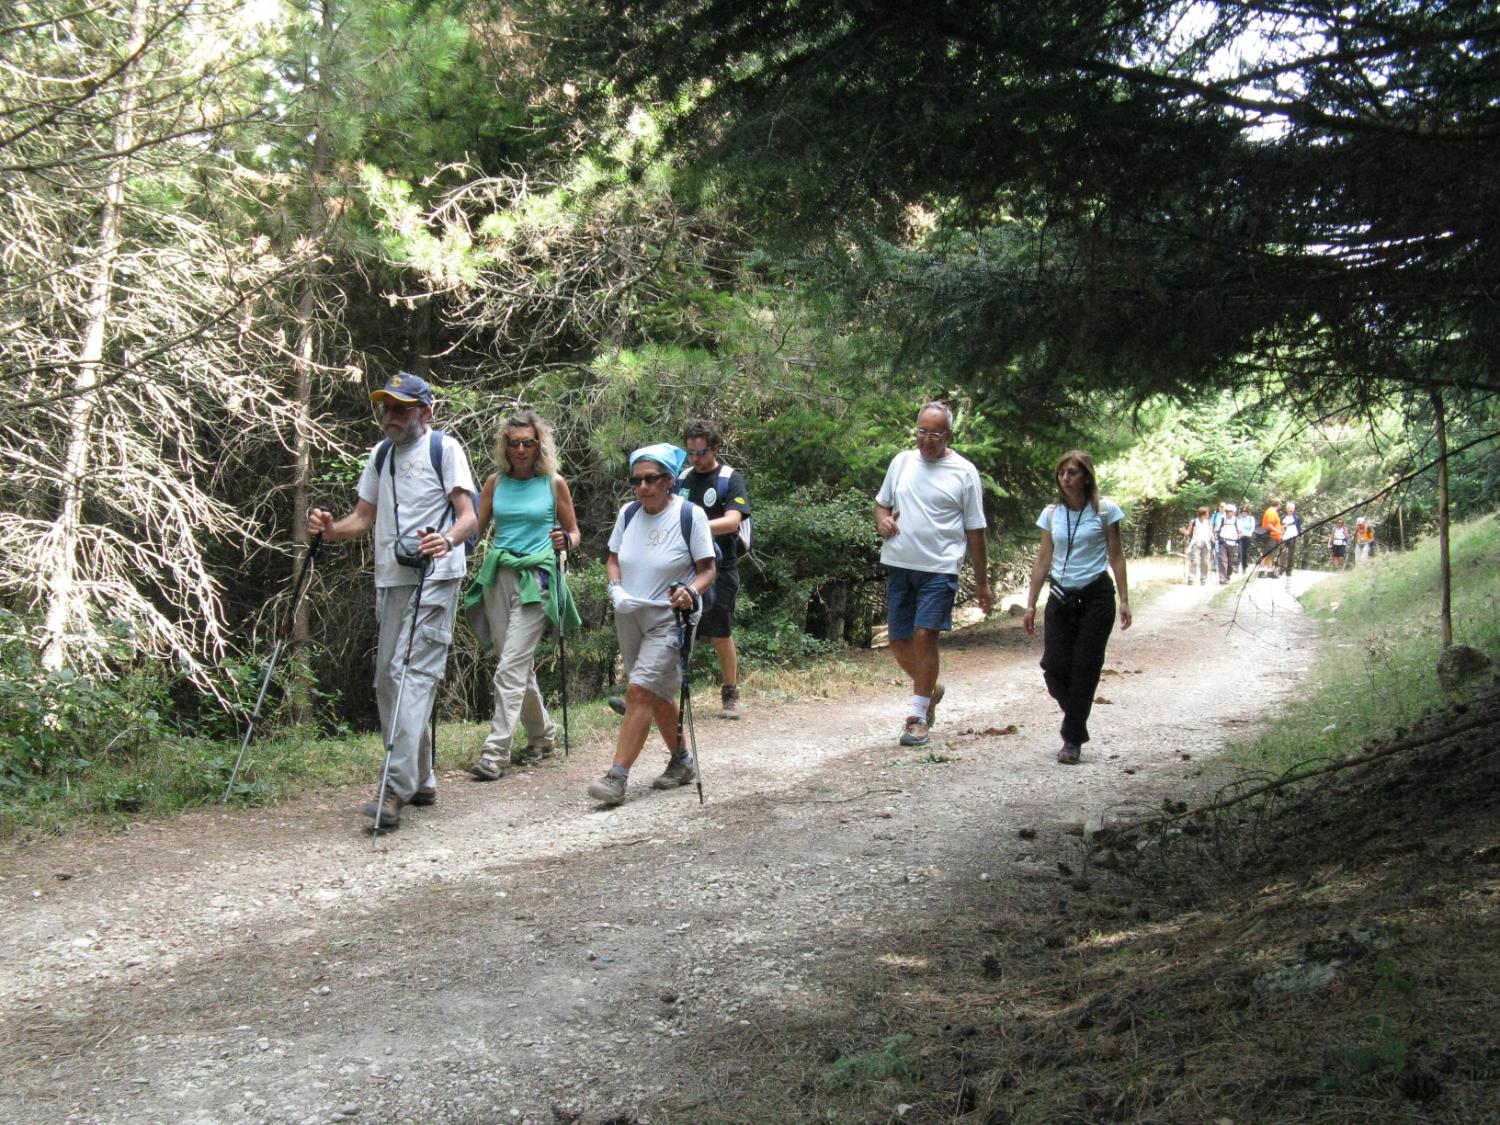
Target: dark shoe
[937,697]
[390,811]
[490,767]
[617,704]
[729,702]
[681,770]
[1069,753]
[423,797]
[608,790]
[530,755]
[914,733]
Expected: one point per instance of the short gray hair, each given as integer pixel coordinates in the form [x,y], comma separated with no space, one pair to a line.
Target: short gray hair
[935,405]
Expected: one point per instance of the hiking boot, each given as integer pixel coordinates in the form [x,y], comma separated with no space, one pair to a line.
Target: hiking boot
[608,790]
[530,754]
[490,767]
[681,770]
[390,811]
[729,702]
[1069,753]
[914,733]
[424,797]
[617,704]
[937,697]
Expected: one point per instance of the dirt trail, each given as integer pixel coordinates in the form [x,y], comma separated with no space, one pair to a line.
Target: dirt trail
[517,954]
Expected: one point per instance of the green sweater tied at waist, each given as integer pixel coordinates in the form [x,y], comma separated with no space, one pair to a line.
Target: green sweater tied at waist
[557,602]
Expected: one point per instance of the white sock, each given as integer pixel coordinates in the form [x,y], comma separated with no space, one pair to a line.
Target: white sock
[919,705]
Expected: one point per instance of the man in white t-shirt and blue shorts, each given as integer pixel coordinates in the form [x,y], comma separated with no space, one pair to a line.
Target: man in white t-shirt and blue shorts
[660,566]
[930,512]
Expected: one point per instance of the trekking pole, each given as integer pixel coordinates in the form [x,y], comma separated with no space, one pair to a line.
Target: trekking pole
[562,647]
[298,586]
[390,741]
[685,696]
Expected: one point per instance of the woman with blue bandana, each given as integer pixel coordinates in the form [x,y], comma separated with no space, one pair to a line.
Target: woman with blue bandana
[661,562]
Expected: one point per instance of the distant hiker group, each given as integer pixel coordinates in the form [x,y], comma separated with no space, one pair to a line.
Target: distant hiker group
[1230,539]
[672,573]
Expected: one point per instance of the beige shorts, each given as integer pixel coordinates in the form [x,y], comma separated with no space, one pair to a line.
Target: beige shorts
[649,650]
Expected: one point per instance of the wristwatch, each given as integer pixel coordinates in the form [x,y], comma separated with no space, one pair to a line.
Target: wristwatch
[449,541]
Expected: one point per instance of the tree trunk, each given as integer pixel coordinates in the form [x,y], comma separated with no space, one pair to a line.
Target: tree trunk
[64,602]
[1445,577]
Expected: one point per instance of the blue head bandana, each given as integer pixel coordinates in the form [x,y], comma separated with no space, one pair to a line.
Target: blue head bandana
[665,454]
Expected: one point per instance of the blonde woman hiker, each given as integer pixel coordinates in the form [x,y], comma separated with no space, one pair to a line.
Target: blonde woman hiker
[520,588]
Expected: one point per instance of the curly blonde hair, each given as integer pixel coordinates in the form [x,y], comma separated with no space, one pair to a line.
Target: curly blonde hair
[546,461]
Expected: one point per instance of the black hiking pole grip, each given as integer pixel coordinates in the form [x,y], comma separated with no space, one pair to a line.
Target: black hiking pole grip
[298,586]
[562,645]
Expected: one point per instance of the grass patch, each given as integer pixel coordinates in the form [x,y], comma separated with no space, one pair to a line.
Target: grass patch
[1377,670]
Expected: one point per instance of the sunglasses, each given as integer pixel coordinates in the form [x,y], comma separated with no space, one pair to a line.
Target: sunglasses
[704,452]
[648,479]
[521,442]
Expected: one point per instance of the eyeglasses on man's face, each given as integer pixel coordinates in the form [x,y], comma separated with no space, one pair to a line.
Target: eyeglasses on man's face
[399,409]
[696,453]
[648,479]
[521,442]
[922,435]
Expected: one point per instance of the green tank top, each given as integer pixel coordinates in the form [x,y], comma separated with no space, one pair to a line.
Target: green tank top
[523,511]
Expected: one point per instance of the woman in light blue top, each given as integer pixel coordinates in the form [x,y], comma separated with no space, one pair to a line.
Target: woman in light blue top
[1080,546]
[520,586]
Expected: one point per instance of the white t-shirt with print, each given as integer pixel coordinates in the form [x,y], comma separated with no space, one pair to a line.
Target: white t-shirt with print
[936,504]
[652,553]
[418,501]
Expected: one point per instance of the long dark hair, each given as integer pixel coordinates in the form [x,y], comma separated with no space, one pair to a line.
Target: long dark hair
[1086,463]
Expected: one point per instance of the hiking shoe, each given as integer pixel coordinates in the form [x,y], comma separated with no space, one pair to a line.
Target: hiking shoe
[530,754]
[1069,753]
[390,811]
[729,702]
[681,770]
[617,704]
[608,790]
[914,733]
[490,767]
[937,697]
[423,797]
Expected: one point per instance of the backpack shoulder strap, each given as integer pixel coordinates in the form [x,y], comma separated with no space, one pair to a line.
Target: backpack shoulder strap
[381,452]
[630,510]
[685,520]
[435,454]
[725,472]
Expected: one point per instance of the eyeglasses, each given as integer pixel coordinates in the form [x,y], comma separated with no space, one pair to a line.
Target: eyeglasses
[521,442]
[922,435]
[648,479]
[704,452]
[389,407]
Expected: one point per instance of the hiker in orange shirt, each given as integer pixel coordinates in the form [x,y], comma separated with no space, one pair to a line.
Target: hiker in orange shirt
[1270,523]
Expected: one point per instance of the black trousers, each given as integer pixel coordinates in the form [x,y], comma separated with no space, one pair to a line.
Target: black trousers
[1074,635]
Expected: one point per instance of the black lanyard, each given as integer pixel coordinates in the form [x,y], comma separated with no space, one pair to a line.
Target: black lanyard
[1072,527]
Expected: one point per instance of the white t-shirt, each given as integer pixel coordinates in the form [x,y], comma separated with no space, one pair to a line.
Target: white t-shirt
[652,553]
[421,501]
[1203,531]
[936,504]
[1089,557]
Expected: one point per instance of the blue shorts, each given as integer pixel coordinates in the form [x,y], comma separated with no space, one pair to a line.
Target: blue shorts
[918,598]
